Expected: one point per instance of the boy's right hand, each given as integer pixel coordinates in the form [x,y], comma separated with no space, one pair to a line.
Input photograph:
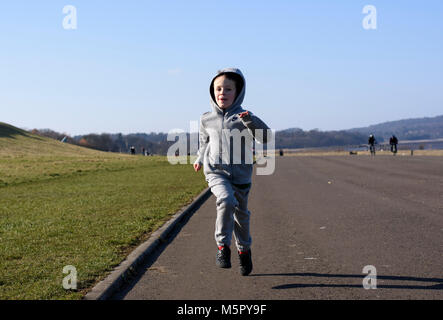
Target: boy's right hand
[197,166]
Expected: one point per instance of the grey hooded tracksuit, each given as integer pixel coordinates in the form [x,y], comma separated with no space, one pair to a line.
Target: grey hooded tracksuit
[225,152]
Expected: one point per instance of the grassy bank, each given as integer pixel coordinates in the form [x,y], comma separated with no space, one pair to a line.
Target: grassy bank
[65,205]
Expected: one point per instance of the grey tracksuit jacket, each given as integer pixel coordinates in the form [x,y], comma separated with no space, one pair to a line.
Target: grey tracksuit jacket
[227,164]
[220,152]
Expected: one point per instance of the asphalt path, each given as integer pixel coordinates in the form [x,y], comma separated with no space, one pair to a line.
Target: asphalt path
[316,223]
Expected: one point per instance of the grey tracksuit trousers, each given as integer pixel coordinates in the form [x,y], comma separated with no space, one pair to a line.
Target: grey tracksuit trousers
[232,212]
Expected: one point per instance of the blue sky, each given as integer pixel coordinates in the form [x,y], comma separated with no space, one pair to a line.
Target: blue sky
[145,66]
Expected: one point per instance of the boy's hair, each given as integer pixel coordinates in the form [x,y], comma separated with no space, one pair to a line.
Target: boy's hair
[238,80]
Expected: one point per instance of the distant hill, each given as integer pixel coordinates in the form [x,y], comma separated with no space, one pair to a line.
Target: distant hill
[8,131]
[17,142]
[408,129]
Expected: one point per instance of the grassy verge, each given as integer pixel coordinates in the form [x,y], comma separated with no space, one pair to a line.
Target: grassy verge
[86,210]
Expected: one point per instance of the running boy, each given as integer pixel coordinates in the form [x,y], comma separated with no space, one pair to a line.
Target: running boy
[229,174]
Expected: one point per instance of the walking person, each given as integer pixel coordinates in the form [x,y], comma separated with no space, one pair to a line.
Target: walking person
[371,143]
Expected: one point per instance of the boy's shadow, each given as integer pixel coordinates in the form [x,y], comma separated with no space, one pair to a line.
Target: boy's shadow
[437,286]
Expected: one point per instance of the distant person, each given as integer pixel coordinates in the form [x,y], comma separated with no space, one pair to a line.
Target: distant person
[132,150]
[393,141]
[281,152]
[371,140]
[230,183]
[371,143]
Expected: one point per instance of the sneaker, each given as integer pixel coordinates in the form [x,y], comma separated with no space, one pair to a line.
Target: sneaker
[223,259]
[245,262]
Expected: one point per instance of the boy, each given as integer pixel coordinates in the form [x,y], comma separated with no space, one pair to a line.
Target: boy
[228,174]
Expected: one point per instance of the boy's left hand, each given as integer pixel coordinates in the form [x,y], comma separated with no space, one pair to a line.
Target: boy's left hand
[244,113]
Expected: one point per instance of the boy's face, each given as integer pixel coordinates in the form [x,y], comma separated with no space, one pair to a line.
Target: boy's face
[224,92]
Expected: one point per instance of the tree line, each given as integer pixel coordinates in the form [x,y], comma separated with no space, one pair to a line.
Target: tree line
[156,143]
[298,138]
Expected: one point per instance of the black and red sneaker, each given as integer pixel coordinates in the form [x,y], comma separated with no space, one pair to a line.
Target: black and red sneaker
[245,262]
[223,258]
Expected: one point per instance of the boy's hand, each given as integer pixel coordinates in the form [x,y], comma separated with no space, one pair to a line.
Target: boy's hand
[244,113]
[197,166]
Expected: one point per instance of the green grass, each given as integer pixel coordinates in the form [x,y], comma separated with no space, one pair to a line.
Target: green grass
[65,205]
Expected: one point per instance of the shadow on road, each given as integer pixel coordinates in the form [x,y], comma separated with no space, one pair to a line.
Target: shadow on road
[437,286]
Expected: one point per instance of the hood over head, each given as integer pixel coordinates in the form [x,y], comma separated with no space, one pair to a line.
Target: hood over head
[240,91]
